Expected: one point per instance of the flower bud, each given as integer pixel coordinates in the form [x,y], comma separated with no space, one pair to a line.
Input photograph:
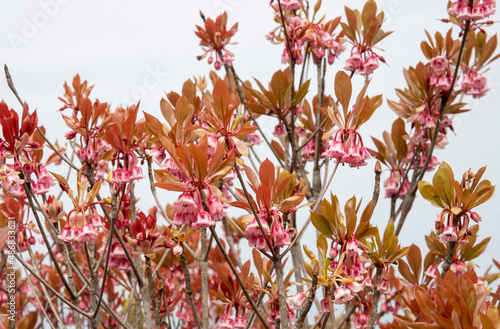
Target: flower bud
[177,249]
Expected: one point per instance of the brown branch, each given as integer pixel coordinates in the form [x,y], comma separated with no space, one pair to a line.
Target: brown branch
[48,286]
[310,138]
[189,289]
[314,208]
[230,241]
[152,187]
[280,277]
[230,69]
[259,299]
[152,292]
[44,291]
[31,198]
[376,296]
[204,277]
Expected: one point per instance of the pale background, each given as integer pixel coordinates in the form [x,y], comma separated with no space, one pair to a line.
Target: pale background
[133,50]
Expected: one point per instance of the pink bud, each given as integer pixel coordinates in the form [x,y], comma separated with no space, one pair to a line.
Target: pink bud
[70,135]
[475,217]
[32,240]
[333,252]
[177,249]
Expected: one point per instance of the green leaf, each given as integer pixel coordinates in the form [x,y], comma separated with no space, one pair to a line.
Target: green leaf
[301,93]
[321,224]
[443,188]
[429,193]
[389,231]
[322,245]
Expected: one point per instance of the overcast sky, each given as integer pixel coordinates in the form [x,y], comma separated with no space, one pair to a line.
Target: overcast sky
[133,50]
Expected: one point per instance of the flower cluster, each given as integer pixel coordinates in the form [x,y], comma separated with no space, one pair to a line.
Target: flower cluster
[159,156]
[275,313]
[45,180]
[191,211]
[394,183]
[347,147]
[363,61]
[479,9]
[225,322]
[352,267]
[79,228]
[303,35]
[440,75]
[277,235]
[12,182]
[474,84]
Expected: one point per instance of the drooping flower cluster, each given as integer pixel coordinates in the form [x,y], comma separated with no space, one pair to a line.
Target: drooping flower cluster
[191,211]
[45,180]
[160,158]
[302,35]
[394,183]
[277,234]
[226,322]
[362,61]
[275,313]
[479,9]
[352,267]
[80,228]
[440,75]
[474,84]
[347,147]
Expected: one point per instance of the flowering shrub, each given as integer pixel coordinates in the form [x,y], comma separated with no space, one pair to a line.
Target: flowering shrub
[224,247]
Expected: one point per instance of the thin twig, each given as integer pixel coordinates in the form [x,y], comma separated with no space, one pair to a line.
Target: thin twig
[230,241]
[376,296]
[189,289]
[31,198]
[49,300]
[376,188]
[204,277]
[48,286]
[152,187]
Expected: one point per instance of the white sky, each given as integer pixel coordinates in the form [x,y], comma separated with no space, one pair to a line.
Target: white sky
[130,49]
